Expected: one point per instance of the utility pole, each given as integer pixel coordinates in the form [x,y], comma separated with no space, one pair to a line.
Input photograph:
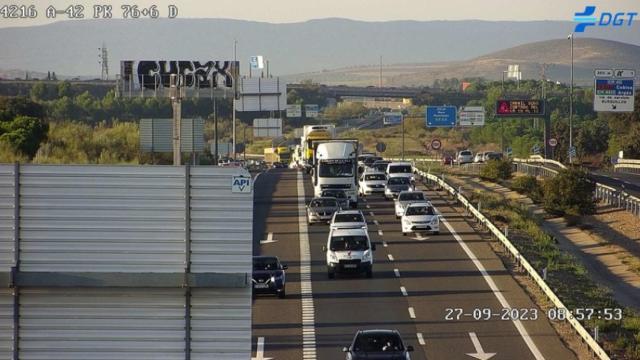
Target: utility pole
[236,71]
[103,60]
[380,76]
[176,101]
[570,37]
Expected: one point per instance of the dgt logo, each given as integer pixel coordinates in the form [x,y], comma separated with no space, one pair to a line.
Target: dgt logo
[241,184]
[587,18]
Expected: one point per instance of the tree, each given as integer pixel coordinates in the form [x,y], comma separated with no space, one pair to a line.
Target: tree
[496,170]
[64,89]
[38,91]
[12,107]
[570,192]
[625,131]
[24,134]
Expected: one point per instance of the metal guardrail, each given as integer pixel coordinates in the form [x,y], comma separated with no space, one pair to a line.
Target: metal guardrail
[521,261]
[609,195]
[627,165]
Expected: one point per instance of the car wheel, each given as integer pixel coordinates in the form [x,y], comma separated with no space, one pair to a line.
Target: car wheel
[331,274]
[397,217]
[282,294]
[404,233]
[369,274]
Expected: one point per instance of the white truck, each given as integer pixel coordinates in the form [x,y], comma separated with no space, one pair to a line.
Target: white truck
[336,167]
[312,134]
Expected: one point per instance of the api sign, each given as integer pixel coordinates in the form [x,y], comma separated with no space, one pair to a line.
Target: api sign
[241,184]
[588,18]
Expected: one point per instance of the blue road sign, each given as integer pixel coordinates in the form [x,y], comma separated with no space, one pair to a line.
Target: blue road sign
[441,116]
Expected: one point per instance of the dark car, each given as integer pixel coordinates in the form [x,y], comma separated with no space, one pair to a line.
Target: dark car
[321,210]
[279,165]
[340,195]
[379,345]
[447,159]
[268,276]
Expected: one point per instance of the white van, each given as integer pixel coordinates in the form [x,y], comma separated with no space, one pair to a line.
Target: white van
[400,169]
[349,250]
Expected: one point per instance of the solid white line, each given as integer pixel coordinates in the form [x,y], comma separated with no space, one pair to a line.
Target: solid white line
[390,257]
[412,313]
[306,290]
[503,302]
[403,290]
[397,272]
[420,339]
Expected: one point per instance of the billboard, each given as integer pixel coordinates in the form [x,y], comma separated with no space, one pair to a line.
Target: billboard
[441,116]
[294,110]
[155,74]
[261,94]
[614,91]
[520,108]
[471,116]
[257,62]
[392,118]
[268,127]
[156,135]
[311,110]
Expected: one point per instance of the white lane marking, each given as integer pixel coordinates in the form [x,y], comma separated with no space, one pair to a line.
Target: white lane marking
[260,350]
[420,339]
[306,291]
[403,290]
[376,222]
[368,206]
[390,257]
[371,213]
[269,239]
[479,354]
[412,313]
[397,272]
[503,302]
[380,232]
[384,243]
[419,237]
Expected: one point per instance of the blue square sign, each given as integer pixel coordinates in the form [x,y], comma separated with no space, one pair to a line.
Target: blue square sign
[441,116]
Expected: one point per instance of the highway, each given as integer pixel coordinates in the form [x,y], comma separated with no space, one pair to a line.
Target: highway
[416,279]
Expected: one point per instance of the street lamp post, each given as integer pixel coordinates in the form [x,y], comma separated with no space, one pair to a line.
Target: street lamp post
[233,101]
[403,138]
[570,37]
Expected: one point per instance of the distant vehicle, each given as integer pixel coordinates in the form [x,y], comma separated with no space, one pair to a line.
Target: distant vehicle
[348,219]
[349,250]
[399,168]
[268,276]
[492,156]
[464,157]
[379,345]
[420,217]
[370,160]
[447,159]
[321,210]
[311,134]
[478,158]
[405,198]
[340,195]
[372,183]
[279,165]
[397,184]
[380,165]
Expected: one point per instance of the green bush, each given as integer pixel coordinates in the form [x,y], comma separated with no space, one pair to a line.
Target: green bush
[496,170]
[569,193]
[530,186]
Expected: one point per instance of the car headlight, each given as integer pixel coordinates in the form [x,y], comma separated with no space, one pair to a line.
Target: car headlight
[273,279]
[366,256]
[434,220]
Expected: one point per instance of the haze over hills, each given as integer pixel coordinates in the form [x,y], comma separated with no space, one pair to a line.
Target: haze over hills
[70,47]
[589,54]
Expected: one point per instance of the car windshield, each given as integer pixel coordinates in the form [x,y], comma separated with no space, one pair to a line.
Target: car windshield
[380,166]
[400,169]
[269,263]
[350,242]
[420,210]
[399,181]
[378,343]
[334,193]
[465,153]
[349,218]
[337,169]
[375,177]
[411,196]
[324,203]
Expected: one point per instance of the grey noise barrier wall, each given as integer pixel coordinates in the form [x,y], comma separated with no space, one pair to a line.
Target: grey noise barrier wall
[124,262]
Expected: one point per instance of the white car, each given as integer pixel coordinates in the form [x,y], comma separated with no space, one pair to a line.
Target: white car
[405,198]
[348,219]
[464,157]
[372,182]
[420,217]
[400,169]
[479,157]
[349,250]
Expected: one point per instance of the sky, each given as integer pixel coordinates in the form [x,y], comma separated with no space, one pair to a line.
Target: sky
[286,11]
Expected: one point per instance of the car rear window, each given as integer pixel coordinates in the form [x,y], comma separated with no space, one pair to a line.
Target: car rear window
[349,218]
[324,203]
[411,196]
[465,153]
[420,210]
[378,343]
[343,243]
[399,181]
[400,169]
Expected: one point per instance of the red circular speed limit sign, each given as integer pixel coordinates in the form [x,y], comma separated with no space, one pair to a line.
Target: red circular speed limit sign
[553,142]
[436,144]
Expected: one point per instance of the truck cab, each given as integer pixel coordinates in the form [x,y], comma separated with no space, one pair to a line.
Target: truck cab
[335,167]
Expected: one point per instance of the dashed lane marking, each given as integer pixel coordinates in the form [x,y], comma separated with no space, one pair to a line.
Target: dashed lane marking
[412,313]
[420,339]
[403,290]
[390,257]
[397,272]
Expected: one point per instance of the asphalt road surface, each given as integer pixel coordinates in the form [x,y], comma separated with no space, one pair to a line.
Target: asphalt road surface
[428,287]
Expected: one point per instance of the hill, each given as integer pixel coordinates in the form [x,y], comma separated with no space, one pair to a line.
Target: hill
[589,54]
[70,47]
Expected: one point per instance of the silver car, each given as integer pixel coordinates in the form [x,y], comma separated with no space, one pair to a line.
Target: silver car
[321,210]
[405,198]
[397,184]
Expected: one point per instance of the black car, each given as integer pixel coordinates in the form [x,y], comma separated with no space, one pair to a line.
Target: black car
[379,345]
[268,276]
[279,165]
